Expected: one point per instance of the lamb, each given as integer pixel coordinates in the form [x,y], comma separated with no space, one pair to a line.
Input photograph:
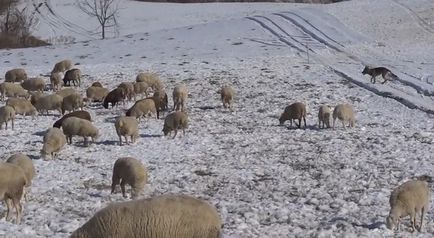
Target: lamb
[62,66]
[128,89]
[127,126]
[48,102]
[54,141]
[7,113]
[345,113]
[141,88]
[324,114]
[76,126]
[12,183]
[179,216]
[409,199]
[15,75]
[142,108]
[80,114]
[34,84]
[22,107]
[72,102]
[294,111]
[96,84]
[174,121]
[132,172]
[66,92]
[180,94]
[227,96]
[96,93]
[73,75]
[113,97]
[12,90]
[25,163]
[56,80]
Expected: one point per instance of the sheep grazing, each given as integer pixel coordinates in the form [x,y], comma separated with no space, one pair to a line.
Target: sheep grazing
[324,114]
[132,172]
[345,113]
[73,75]
[48,102]
[409,199]
[180,94]
[54,140]
[62,66]
[66,92]
[76,126]
[142,108]
[12,183]
[294,111]
[34,84]
[72,102]
[227,96]
[15,75]
[160,216]
[174,121]
[127,126]
[7,113]
[22,107]
[141,88]
[12,90]
[150,78]
[96,84]
[80,114]
[113,97]
[161,100]
[128,89]
[96,94]
[25,163]
[56,80]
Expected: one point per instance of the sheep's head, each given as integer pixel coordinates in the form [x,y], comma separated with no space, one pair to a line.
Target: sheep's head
[391,222]
[166,130]
[282,119]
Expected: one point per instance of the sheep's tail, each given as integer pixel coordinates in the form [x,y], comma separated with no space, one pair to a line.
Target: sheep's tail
[425,177]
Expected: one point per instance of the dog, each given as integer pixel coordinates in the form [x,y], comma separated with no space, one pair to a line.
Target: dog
[386,73]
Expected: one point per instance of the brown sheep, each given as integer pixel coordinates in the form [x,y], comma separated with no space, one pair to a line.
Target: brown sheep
[294,111]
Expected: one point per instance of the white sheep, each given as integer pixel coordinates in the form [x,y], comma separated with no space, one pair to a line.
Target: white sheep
[166,216]
[48,102]
[66,92]
[128,89]
[151,79]
[54,141]
[22,107]
[161,100]
[76,126]
[12,183]
[25,163]
[174,121]
[142,108]
[73,75]
[96,93]
[409,199]
[227,96]
[72,102]
[324,115]
[345,113]
[15,75]
[56,80]
[7,113]
[127,126]
[141,88]
[34,84]
[12,90]
[180,94]
[129,171]
[294,111]
[62,66]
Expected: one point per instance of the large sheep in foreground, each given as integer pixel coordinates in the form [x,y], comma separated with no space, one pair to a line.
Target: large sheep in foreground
[56,80]
[34,84]
[324,114]
[54,141]
[127,126]
[166,216]
[12,90]
[80,114]
[345,113]
[25,163]
[46,103]
[12,183]
[113,97]
[294,111]
[180,94]
[142,108]
[227,96]
[62,66]
[96,94]
[76,126]
[73,75]
[174,121]
[72,102]
[15,75]
[7,113]
[22,107]
[409,199]
[129,171]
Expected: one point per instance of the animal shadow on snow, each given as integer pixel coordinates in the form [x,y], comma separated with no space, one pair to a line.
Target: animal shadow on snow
[375,225]
[151,136]
[40,133]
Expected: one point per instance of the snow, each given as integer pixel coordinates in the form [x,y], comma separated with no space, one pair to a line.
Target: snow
[265,180]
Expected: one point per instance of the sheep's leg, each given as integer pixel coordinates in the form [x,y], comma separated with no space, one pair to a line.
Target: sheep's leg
[123,188]
[12,123]
[299,123]
[343,124]
[115,181]
[422,214]
[176,132]
[6,127]
[18,209]
[8,202]
[413,220]
[304,120]
[120,140]
[126,140]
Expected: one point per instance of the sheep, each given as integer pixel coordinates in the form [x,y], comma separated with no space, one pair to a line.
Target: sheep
[7,113]
[56,80]
[12,183]
[294,111]
[324,114]
[12,90]
[141,88]
[66,92]
[161,100]
[128,90]
[127,126]
[34,84]
[72,102]
[25,163]
[73,75]
[174,121]
[409,199]
[345,113]
[48,102]
[97,94]
[62,66]
[180,94]
[179,216]
[15,75]
[76,126]
[22,106]
[80,114]
[96,84]
[129,171]
[150,78]
[142,108]
[113,97]
[227,96]
[54,140]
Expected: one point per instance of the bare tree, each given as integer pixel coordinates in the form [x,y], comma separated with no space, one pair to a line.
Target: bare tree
[105,11]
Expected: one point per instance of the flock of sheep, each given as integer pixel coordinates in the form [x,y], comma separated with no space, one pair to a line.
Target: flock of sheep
[160,216]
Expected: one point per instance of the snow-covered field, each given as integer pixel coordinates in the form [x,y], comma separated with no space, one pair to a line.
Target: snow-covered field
[265,180]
